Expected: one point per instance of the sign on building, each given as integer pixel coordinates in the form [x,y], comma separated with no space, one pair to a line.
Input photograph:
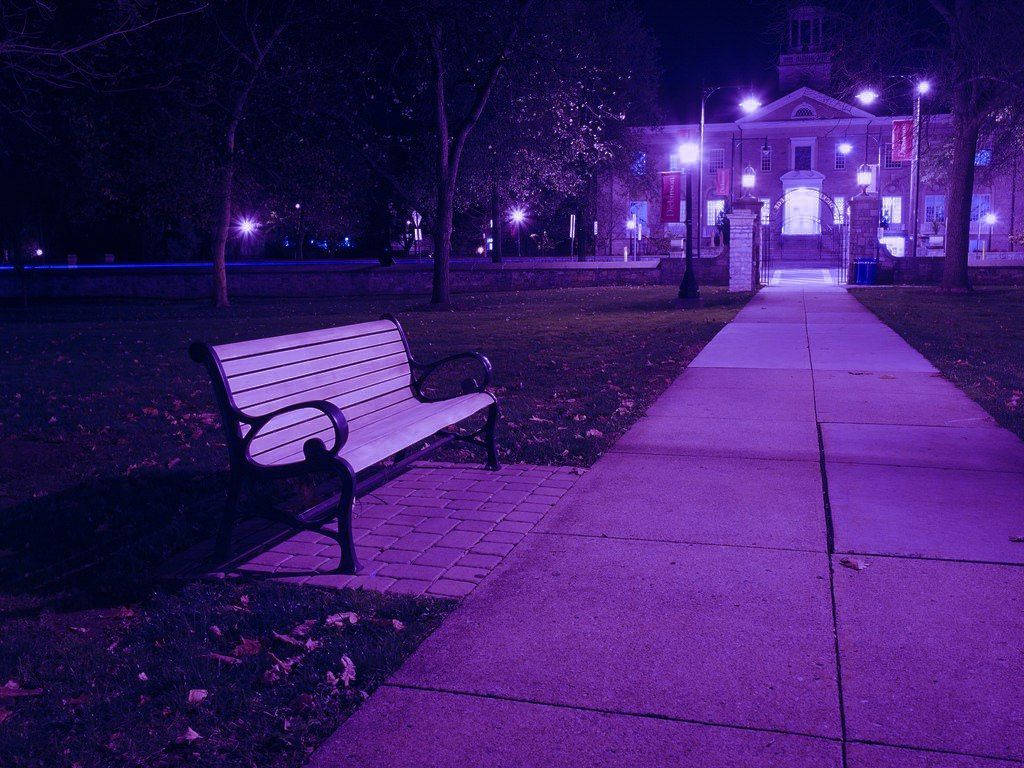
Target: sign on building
[902,140]
[671,197]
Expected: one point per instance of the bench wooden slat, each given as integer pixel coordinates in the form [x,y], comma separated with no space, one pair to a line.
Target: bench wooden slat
[324,386]
[385,343]
[292,340]
[327,369]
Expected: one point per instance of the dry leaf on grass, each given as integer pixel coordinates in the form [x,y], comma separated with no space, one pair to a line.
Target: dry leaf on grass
[12,690]
[348,672]
[188,736]
[197,696]
[246,647]
[399,626]
[304,628]
[224,659]
[339,619]
[5,715]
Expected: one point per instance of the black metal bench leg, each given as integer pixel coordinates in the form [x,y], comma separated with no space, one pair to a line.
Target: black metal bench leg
[222,548]
[349,563]
[492,448]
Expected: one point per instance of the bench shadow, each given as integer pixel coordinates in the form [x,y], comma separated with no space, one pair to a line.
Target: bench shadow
[110,540]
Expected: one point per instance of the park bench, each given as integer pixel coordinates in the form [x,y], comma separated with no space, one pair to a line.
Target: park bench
[348,400]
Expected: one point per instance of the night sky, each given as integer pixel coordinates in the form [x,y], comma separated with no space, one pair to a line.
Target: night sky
[725,41]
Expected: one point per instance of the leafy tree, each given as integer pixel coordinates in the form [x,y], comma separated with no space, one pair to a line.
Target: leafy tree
[969,50]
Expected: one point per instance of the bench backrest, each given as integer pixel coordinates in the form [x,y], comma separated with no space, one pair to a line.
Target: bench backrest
[364,369]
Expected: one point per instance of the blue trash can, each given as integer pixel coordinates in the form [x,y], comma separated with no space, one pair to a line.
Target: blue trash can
[870,271]
[858,272]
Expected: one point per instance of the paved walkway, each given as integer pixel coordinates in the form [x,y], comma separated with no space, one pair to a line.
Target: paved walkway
[801,556]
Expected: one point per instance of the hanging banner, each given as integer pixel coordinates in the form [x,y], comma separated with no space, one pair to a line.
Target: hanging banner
[671,197]
[723,177]
[902,140]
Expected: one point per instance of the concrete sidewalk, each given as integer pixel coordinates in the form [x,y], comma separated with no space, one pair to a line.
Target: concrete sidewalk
[801,556]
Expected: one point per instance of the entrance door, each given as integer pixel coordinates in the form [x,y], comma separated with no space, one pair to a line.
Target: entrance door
[801,215]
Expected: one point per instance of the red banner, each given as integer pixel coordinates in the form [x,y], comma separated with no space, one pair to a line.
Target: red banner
[902,140]
[724,181]
[671,196]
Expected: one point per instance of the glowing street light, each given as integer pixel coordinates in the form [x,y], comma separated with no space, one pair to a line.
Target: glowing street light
[247,226]
[517,216]
[990,219]
[748,179]
[845,148]
[867,96]
[924,88]
[750,104]
[864,178]
[39,252]
[688,153]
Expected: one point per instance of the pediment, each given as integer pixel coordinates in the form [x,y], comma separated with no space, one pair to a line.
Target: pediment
[805,104]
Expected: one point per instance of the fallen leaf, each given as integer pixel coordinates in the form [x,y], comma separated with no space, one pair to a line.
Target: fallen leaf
[339,619]
[216,631]
[188,736]
[399,626]
[197,695]
[279,668]
[595,433]
[224,659]
[246,647]
[304,628]
[288,640]
[348,673]
[12,690]
[143,676]
[853,563]
[5,715]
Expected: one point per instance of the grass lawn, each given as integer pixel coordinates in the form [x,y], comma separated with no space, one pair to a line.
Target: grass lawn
[976,340]
[113,461]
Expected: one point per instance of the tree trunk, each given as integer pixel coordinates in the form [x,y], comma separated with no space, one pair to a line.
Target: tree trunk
[441,295]
[955,276]
[220,274]
[496,228]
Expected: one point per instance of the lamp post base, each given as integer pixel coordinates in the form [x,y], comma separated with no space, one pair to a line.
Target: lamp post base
[688,290]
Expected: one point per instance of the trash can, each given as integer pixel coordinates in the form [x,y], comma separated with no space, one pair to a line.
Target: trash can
[870,271]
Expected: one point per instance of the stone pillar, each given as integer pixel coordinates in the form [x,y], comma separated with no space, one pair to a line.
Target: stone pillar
[862,240]
[744,222]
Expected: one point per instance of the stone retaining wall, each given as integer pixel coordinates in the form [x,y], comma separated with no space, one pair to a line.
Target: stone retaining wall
[307,280]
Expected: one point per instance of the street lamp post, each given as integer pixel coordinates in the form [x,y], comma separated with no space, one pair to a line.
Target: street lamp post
[922,89]
[298,213]
[990,219]
[688,290]
[749,104]
[517,216]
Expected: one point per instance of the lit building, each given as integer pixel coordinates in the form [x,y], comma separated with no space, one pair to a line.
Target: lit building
[805,147]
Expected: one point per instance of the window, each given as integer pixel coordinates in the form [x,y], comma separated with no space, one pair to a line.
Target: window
[892,209]
[716,160]
[766,158]
[983,157]
[840,160]
[803,112]
[934,208]
[715,207]
[639,166]
[802,157]
[887,161]
[839,209]
[980,205]
[766,211]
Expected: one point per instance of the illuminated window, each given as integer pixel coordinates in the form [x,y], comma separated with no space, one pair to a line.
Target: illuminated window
[803,157]
[840,160]
[934,208]
[716,160]
[887,161]
[715,207]
[766,211]
[892,209]
[980,205]
[766,159]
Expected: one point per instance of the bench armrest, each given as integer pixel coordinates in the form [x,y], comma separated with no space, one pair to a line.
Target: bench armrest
[424,370]
[314,449]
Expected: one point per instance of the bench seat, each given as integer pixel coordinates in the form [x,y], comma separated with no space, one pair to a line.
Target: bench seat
[370,442]
[343,399]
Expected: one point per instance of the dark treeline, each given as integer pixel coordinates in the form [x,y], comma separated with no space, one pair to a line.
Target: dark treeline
[152,129]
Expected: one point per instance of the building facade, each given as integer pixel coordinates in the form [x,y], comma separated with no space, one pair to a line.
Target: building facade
[805,148]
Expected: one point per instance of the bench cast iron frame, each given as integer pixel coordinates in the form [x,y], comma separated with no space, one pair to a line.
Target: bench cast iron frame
[319,459]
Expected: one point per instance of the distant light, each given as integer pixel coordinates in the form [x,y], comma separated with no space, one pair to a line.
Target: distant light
[845,148]
[247,226]
[750,104]
[517,216]
[631,224]
[688,153]
[748,178]
[924,87]
[867,97]
[480,250]
[990,219]
[39,251]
